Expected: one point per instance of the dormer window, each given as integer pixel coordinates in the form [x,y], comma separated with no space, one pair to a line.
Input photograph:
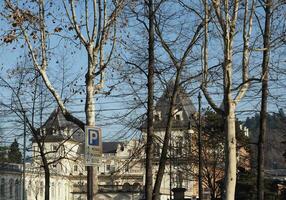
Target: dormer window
[54,147]
[178,115]
[157,116]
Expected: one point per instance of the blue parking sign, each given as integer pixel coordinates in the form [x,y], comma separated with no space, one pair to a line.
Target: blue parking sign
[93,137]
[93,145]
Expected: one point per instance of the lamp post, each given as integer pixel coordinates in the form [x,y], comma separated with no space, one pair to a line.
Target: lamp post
[24,159]
[170,160]
[200,149]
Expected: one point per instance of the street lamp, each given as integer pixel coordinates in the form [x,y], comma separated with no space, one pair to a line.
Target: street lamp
[200,149]
[24,158]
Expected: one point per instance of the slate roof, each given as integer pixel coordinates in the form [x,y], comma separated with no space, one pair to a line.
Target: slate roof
[183,103]
[110,147]
[57,122]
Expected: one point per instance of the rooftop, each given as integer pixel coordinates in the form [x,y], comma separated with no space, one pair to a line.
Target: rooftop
[111,147]
[57,128]
[183,105]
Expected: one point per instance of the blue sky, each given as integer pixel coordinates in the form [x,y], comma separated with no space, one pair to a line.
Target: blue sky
[116,104]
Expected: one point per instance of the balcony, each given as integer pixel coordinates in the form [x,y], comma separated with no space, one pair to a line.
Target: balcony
[11,167]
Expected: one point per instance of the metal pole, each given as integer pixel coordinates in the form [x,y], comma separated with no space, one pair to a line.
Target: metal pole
[89,182]
[170,169]
[24,158]
[200,149]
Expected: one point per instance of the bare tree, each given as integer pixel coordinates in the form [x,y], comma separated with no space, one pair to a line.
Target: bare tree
[179,63]
[150,108]
[28,105]
[92,32]
[264,96]
[226,14]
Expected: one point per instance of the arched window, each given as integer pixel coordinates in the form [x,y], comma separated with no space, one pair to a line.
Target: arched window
[136,186]
[59,190]
[2,188]
[67,191]
[126,187]
[53,191]
[11,182]
[41,188]
[17,190]
[75,168]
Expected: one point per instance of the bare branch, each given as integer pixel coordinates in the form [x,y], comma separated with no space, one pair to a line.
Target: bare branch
[75,24]
[86,19]
[205,62]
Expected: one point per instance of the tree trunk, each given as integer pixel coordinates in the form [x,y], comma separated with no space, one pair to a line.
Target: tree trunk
[230,151]
[90,117]
[47,182]
[47,173]
[263,111]
[229,116]
[150,112]
[227,22]
[163,158]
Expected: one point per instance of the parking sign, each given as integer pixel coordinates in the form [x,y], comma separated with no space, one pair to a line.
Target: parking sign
[93,137]
[93,145]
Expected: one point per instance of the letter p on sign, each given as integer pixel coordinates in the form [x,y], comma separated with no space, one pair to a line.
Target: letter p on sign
[93,137]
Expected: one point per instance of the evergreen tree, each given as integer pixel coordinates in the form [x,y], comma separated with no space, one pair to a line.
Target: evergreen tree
[14,154]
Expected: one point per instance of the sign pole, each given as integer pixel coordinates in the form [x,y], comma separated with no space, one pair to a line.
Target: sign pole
[93,152]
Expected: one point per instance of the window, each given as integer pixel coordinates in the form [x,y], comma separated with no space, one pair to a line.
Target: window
[107,167]
[67,191]
[54,147]
[2,188]
[11,188]
[17,190]
[178,115]
[156,150]
[53,190]
[59,189]
[75,168]
[179,146]
[157,116]
[41,188]
[127,167]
